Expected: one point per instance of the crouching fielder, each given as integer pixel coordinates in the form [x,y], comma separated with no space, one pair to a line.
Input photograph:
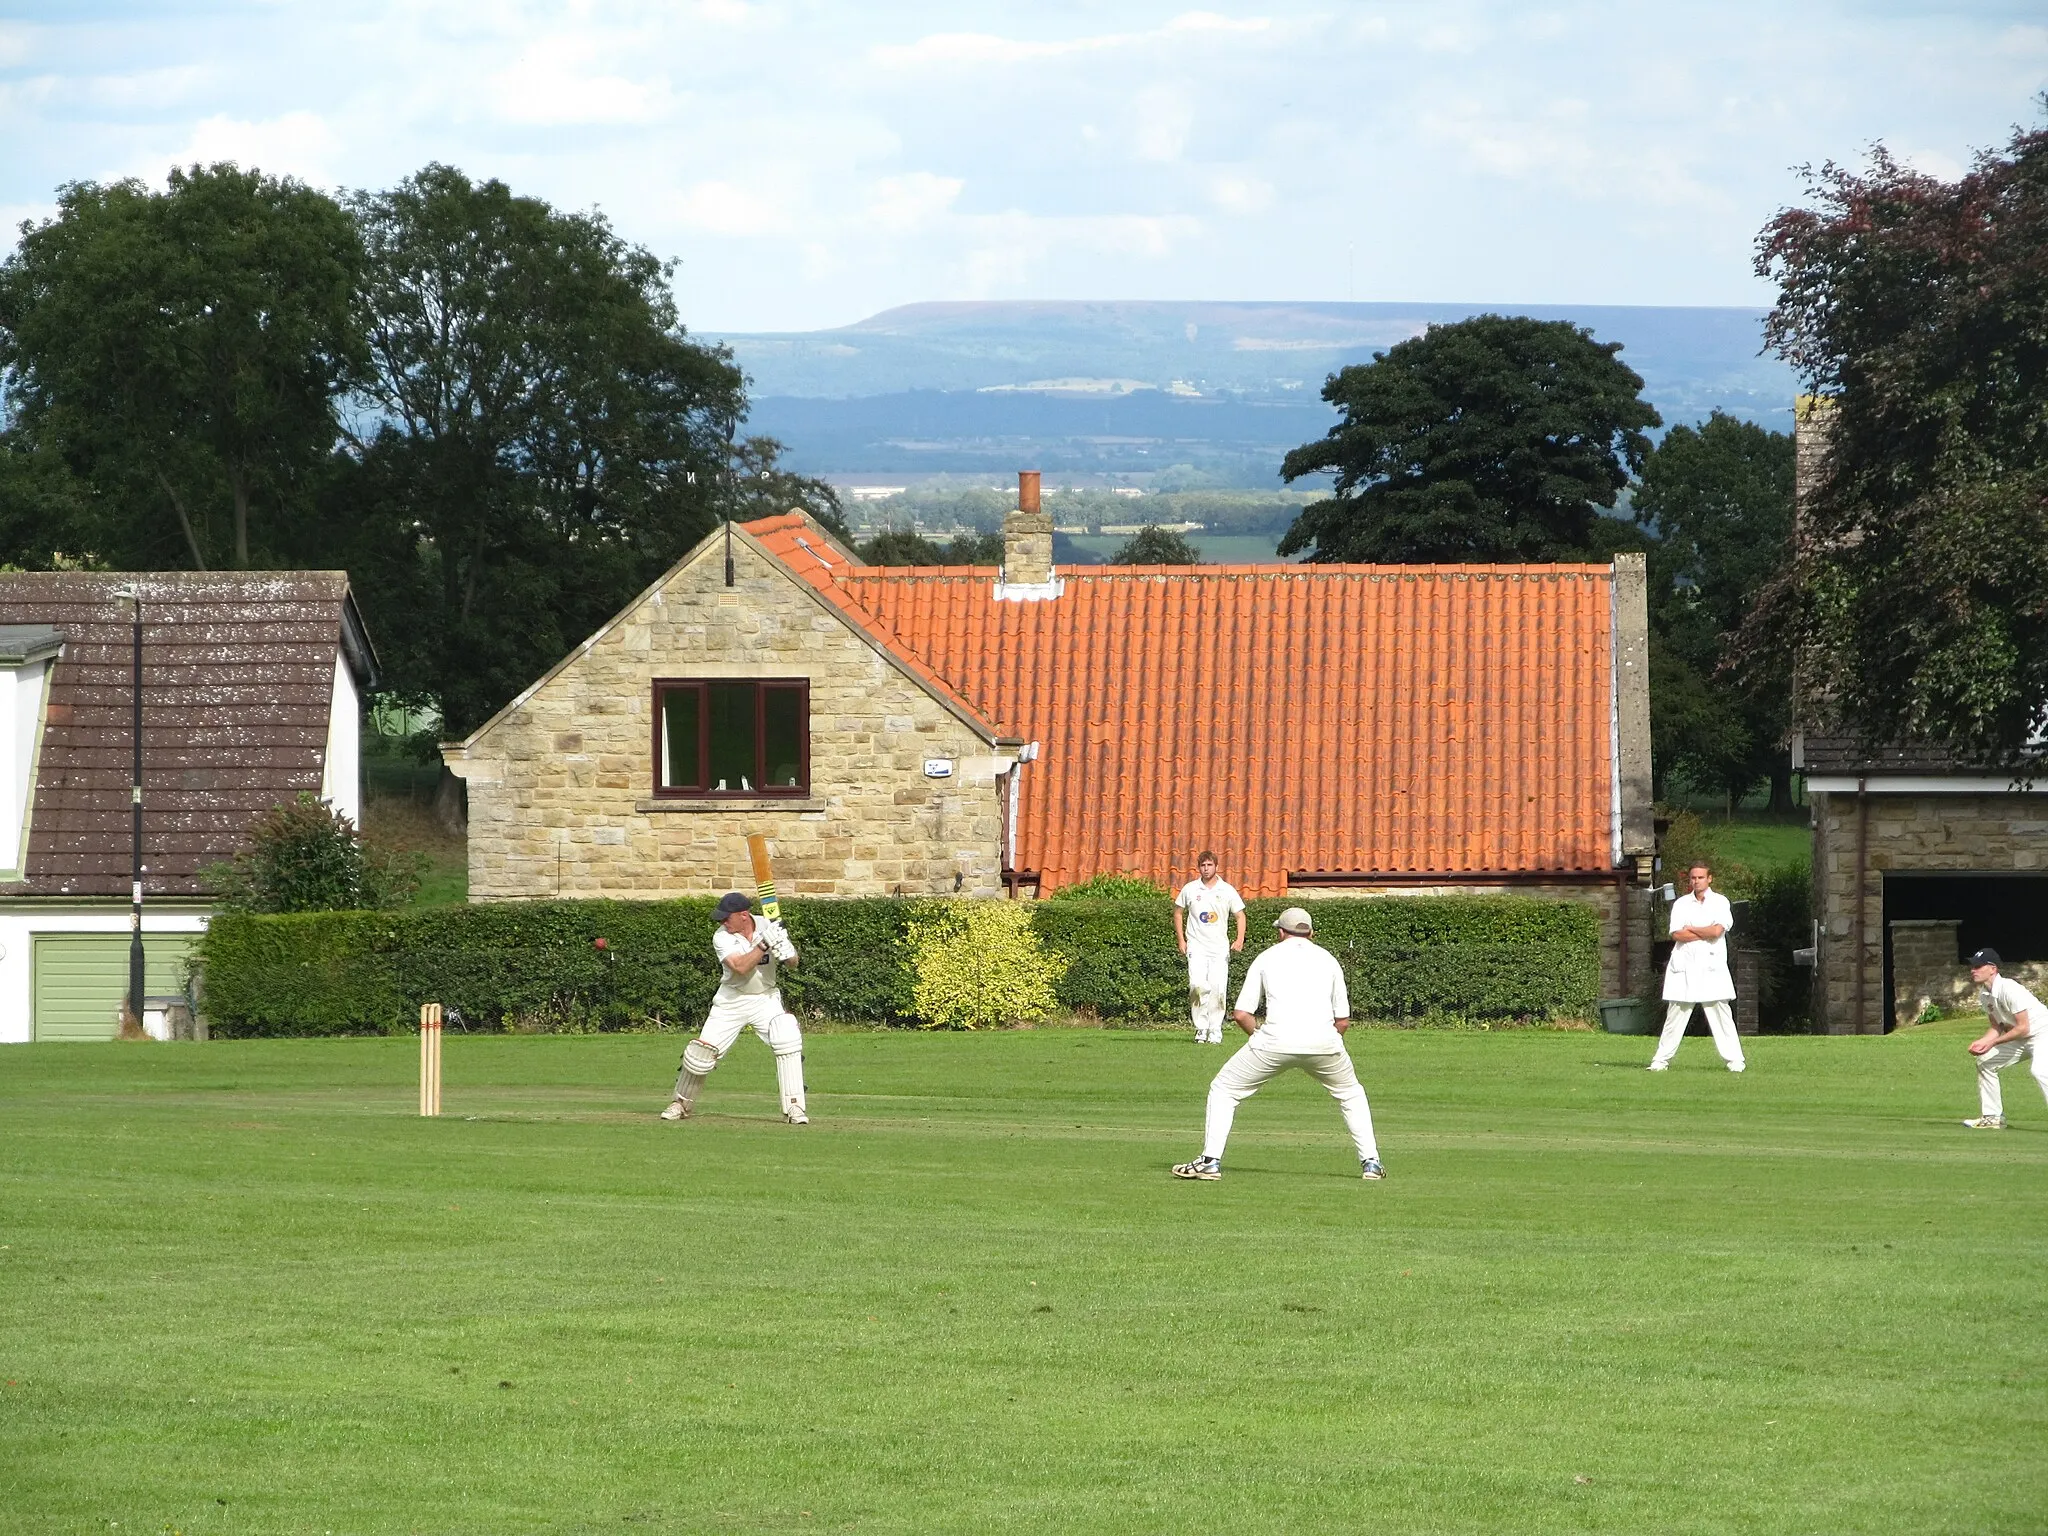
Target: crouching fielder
[1307,1013]
[748,996]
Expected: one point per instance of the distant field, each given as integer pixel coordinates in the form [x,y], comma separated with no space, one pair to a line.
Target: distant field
[1215,549]
[244,1289]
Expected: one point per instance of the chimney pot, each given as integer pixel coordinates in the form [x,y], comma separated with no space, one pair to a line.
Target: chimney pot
[1027,537]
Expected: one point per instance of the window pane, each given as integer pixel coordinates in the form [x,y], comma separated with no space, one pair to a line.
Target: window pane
[732,734]
[782,736]
[679,739]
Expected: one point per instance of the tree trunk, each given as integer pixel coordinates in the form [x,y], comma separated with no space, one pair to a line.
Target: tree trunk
[451,804]
[240,482]
[1781,791]
[184,522]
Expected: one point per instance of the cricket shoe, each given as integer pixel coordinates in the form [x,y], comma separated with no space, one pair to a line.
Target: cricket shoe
[1200,1168]
[1986,1123]
[677,1110]
[1657,1066]
[796,1117]
[1369,1167]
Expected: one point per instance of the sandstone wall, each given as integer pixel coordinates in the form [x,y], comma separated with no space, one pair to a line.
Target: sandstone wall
[1935,834]
[561,796]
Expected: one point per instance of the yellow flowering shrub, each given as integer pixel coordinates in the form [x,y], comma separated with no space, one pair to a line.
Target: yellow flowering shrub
[979,965]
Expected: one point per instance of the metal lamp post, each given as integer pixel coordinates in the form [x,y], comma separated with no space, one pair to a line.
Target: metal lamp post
[133,594]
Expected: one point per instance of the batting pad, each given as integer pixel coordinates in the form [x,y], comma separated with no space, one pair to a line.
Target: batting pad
[784,1037]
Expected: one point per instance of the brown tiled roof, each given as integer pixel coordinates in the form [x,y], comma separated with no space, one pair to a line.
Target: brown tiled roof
[1339,720]
[1845,754]
[238,672]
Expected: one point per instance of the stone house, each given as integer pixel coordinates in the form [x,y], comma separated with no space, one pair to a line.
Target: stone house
[251,691]
[1918,859]
[1011,730]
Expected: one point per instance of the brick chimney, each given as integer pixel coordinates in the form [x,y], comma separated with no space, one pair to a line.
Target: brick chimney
[1027,537]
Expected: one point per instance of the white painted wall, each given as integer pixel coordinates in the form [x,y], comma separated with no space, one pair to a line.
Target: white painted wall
[341,771]
[17,934]
[21,716]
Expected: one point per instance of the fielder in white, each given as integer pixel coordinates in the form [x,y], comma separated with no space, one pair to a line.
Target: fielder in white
[748,996]
[1698,972]
[1307,1012]
[2010,1013]
[1201,917]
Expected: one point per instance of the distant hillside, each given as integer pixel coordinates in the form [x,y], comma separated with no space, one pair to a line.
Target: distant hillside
[1126,388]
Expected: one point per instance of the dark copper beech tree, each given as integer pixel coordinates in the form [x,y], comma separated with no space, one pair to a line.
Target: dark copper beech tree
[1917,594]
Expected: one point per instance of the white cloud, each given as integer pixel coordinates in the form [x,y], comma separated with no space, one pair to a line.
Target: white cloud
[296,144]
[1241,194]
[1165,118]
[727,208]
[560,81]
[810,163]
[905,204]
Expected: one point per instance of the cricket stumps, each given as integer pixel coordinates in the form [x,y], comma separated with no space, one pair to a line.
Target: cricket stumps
[430,1058]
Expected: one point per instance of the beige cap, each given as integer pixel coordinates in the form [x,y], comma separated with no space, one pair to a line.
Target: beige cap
[1294,920]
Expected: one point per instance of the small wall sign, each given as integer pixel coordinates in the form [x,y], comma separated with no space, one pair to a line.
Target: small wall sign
[938,767]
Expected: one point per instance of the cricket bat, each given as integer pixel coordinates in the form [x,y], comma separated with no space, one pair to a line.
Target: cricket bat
[764,877]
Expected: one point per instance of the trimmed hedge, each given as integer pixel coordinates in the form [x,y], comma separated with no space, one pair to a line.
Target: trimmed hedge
[537,965]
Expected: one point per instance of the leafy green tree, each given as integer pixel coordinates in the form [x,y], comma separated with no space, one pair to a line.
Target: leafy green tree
[763,488]
[544,437]
[901,546]
[1493,439]
[307,857]
[183,352]
[1719,498]
[1916,597]
[1153,545]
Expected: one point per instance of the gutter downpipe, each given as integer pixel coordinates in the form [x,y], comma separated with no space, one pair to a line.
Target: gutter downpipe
[1862,896]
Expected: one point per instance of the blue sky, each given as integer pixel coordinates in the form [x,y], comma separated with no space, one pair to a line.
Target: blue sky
[810,164]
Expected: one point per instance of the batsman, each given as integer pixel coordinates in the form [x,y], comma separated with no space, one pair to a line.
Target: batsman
[750,953]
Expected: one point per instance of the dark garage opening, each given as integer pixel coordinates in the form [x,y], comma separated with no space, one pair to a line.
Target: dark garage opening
[2009,913]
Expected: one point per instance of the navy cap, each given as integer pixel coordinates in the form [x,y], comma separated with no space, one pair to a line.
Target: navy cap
[734,901]
[1982,957]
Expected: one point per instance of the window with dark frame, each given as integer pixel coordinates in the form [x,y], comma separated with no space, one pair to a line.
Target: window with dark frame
[732,737]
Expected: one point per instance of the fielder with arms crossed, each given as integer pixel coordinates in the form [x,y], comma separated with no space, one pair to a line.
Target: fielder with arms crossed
[1307,1012]
[748,996]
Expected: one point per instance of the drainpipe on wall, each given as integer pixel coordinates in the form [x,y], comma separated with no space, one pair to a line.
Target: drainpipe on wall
[1025,754]
[1862,896]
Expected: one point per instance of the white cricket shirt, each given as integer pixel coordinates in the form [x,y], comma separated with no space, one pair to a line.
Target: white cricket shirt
[1698,972]
[1303,988]
[2005,1000]
[729,946]
[1209,908]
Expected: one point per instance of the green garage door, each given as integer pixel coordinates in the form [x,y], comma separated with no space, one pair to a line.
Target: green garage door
[81,980]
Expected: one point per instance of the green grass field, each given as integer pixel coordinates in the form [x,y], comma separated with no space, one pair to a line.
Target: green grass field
[245,1289]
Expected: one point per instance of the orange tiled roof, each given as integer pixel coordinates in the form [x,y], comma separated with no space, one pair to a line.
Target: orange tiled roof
[1337,719]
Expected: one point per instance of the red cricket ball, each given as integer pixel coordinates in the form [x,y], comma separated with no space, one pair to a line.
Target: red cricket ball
[600,943]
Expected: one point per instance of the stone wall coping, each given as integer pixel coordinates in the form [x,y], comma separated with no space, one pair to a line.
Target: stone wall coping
[699,807]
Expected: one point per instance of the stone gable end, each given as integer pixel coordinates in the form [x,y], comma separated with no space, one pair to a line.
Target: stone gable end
[561,785]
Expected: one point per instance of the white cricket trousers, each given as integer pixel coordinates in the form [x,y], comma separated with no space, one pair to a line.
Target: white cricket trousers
[764,1014]
[1994,1061]
[1252,1068]
[1208,983]
[1720,1019]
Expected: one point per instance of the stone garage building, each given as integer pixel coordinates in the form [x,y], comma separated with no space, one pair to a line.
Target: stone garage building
[1013,730]
[251,691]
[1918,859]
